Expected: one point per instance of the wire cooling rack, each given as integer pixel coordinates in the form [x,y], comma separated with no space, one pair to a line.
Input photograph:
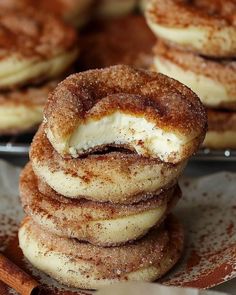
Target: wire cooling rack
[19,146]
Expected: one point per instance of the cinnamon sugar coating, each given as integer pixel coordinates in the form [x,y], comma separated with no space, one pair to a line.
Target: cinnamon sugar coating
[126,40]
[184,13]
[34,35]
[221,121]
[210,25]
[168,104]
[69,218]
[28,96]
[70,10]
[222,130]
[115,176]
[34,47]
[221,70]
[114,262]
[21,111]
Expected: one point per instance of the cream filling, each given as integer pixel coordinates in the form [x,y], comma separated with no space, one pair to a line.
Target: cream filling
[112,8]
[20,117]
[212,93]
[106,232]
[120,128]
[14,70]
[198,37]
[220,140]
[115,186]
[79,273]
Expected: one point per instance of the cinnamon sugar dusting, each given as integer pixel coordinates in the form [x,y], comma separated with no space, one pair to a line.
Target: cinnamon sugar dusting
[161,100]
[115,262]
[184,13]
[105,169]
[207,235]
[221,121]
[68,216]
[30,34]
[29,96]
[221,70]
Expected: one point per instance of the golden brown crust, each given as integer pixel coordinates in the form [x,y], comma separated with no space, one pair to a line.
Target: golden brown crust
[110,45]
[116,262]
[34,34]
[221,121]
[220,70]
[167,103]
[99,166]
[185,13]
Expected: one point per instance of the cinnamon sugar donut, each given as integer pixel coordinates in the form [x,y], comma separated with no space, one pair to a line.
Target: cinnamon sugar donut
[206,27]
[214,80]
[108,45]
[103,224]
[22,110]
[76,12]
[146,112]
[113,8]
[116,177]
[34,46]
[82,265]
[222,130]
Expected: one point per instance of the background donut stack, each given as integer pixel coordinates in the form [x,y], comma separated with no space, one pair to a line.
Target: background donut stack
[99,215]
[197,46]
[36,49]
[39,31]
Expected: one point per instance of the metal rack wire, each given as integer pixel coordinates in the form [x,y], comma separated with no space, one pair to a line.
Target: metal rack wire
[15,145]
[18,145]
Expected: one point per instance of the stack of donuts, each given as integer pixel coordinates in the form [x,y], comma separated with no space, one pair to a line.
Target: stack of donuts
[197,46]
[35,50]
[103,177]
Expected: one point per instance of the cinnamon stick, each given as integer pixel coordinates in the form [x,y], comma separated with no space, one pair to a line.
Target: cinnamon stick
[16,278]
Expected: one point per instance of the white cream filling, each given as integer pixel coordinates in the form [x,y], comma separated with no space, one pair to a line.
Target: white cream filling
[74,273]
[197,37]
[14,70]
[120,128]
[111,231]
[212,93]
[20,117]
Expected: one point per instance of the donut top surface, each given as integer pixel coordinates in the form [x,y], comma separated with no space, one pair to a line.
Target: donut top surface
[132,97]
[181,13]
[33,35]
